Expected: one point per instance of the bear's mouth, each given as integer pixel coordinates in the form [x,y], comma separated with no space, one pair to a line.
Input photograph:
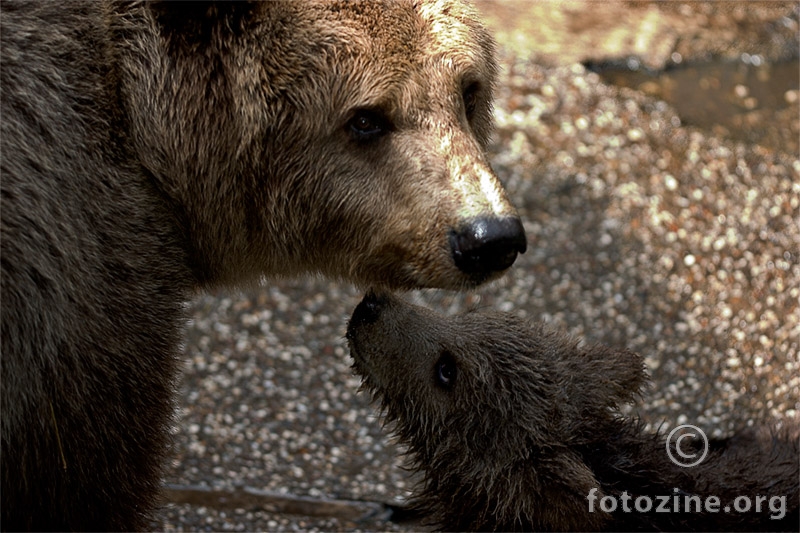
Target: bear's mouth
[361,365]
[369,378]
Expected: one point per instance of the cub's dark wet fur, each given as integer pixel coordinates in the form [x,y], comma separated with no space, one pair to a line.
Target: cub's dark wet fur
[514,425]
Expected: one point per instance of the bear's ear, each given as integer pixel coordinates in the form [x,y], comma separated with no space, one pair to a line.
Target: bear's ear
[603,377]
[621,374]
[195,21]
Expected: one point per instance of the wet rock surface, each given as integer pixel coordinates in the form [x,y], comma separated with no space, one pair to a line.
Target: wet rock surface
[644,230]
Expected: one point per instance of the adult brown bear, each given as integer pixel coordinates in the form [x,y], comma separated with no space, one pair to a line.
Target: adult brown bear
[151,149]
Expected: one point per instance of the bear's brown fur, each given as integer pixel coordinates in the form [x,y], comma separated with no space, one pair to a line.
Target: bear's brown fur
[515,426]
[151,149]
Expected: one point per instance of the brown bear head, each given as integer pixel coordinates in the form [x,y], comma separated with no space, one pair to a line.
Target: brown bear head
[342,138]
[492,409]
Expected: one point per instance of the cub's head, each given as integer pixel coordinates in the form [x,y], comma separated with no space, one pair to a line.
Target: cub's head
[345,138]
[491,408]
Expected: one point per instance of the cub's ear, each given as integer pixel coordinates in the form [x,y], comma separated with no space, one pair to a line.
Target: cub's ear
[619,373]
[196,20]
[601,376]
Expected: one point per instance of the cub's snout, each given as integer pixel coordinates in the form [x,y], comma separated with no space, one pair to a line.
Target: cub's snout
[366,312]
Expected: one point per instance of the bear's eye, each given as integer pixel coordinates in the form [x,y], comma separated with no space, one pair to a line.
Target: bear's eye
[368,124]
[470,97]
[446,371]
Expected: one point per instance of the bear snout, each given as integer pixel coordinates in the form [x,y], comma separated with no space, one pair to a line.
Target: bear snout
[366,312]
[487,245]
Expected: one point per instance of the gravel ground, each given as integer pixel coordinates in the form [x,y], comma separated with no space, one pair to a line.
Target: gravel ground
[643,232]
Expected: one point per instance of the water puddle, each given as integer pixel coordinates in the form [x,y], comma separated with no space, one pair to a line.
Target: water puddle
[746,100]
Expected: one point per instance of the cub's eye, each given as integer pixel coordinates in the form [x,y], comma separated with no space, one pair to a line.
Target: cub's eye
[368,124]
[446,371]
[470,98]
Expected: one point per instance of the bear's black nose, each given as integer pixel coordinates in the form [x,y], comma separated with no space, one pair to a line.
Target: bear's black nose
[487,245]
[367,311]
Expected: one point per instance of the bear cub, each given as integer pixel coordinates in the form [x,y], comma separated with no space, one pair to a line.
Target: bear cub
[516,426]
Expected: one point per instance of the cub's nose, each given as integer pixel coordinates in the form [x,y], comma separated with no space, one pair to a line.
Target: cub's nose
[367,311]
[487,245]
